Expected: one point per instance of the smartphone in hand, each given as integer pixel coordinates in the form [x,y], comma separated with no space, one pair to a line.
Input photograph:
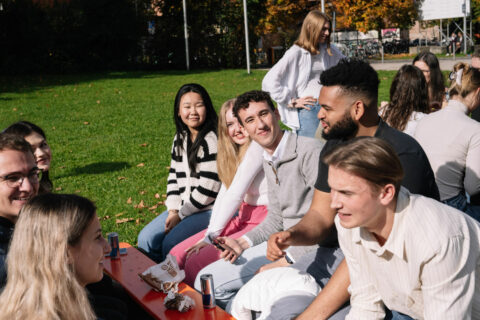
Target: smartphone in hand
[216,243]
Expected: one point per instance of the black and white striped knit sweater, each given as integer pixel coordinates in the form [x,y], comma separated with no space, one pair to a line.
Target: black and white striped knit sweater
[193,194]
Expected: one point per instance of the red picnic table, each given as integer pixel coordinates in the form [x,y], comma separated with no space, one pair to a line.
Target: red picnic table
[125,271]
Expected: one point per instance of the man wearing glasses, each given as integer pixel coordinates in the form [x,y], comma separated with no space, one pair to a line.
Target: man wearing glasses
[18,184]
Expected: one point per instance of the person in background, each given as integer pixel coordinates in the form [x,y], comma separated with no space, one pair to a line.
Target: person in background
[244,188]
[293,82]
[193,182]
[428,63]
[459,43]
[451,140]
[56,250]
[43,154]
[408,100]
[452,44]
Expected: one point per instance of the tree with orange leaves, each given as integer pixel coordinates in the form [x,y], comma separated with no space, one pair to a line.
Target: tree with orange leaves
[364,15]
[361,15]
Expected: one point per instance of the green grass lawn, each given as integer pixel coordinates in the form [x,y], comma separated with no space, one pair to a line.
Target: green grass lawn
[111,133]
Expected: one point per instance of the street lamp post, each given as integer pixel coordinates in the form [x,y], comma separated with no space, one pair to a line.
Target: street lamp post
[247,46]
[185,26]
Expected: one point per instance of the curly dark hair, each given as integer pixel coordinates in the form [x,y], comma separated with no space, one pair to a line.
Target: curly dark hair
[355,78]
[436,86]
[244,100]
[408,93]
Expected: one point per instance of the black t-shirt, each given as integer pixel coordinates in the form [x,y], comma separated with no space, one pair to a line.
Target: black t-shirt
[6,231]
[476,114]
[418,175]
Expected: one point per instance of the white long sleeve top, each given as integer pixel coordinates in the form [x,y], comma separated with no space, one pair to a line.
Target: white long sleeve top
[248,185]
[451,140]
[290,75]
[427,269]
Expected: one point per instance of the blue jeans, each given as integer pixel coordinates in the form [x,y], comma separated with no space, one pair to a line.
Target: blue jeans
[394,315]
[157,244]
[308,121]
[460,202]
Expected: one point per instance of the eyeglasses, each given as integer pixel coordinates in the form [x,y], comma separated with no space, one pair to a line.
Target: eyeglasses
[16,180]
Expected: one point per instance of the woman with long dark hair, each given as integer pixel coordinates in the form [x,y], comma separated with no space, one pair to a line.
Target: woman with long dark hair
[193,182]
[408,100]
[428,63]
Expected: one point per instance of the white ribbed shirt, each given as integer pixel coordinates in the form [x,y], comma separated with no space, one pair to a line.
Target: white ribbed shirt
[427,269]
[248,185]
[451,140]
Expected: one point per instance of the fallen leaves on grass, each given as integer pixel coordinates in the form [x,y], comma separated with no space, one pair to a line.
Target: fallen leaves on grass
[86,123]
[129,200]
[144,144]
[141,205]
[141,164]
[106,218]
[119,221]
[119,214]
[143,192]
[122,178]
[157,195]
[58,188]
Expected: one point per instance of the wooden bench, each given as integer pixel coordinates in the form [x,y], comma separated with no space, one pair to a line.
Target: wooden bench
[125,271]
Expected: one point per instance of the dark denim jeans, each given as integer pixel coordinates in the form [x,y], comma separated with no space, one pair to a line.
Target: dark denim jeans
[460,202]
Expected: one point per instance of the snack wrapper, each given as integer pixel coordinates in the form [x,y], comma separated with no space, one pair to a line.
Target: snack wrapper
[178,301]
[165,276]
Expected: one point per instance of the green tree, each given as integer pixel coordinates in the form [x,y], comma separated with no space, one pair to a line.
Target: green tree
[216,32]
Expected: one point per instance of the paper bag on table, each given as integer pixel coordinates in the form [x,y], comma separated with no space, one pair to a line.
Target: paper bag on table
[164,276]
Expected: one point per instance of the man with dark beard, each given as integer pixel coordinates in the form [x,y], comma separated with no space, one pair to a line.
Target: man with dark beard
[349,109]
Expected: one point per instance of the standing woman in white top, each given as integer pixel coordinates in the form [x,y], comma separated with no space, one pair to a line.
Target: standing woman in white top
[294,82]
[451,140]
[244,188]
[408,100]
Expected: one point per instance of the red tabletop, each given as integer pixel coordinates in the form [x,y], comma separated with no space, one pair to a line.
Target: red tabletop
[125,271]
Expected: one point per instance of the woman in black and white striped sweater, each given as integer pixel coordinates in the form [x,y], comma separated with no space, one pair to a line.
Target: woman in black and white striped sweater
[193,182]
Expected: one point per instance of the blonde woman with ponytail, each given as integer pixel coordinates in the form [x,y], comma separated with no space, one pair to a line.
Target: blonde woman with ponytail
[57,248]
[451,140]
[244,188]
